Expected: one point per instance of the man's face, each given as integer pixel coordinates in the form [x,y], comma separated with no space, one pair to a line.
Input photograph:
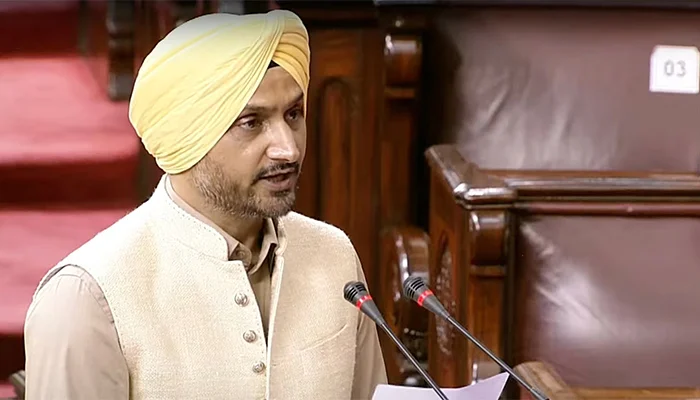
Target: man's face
[252,171]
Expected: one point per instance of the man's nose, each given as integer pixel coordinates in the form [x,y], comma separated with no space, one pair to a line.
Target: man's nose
[283,146]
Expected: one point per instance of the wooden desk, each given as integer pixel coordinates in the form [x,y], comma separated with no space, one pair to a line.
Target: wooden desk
[545,378]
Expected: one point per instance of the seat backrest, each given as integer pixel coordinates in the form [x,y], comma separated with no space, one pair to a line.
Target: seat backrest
[594,272]
[560,87]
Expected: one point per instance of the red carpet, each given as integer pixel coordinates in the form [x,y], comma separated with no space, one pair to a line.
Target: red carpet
[56,125]
[68,157]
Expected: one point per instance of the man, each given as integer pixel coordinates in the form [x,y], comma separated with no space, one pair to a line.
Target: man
[213,288]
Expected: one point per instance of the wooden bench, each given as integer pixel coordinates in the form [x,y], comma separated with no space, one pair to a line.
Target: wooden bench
[586,271]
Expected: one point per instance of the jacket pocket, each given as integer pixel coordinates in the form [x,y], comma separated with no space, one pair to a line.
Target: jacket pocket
[324,340]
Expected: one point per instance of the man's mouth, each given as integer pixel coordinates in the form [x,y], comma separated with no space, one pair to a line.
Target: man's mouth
[279,176]
[281,180]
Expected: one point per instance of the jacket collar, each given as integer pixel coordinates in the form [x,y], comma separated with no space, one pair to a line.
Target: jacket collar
[195,232]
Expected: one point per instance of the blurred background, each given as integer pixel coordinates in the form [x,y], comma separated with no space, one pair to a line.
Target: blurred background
[535,161]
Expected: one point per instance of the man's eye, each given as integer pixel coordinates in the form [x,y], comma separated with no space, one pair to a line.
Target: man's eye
[250,123]
[295,114]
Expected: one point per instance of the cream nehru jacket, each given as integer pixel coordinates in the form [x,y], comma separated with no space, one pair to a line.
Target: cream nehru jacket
[172,291]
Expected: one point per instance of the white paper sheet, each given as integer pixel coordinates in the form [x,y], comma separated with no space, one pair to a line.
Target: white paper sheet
[488,389]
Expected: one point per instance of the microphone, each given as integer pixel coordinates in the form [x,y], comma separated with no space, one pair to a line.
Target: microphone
[415,289]
[356,293]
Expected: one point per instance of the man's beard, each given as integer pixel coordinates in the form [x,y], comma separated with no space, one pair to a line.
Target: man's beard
[228,196]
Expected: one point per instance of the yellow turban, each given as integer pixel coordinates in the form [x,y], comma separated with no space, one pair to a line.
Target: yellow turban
[197,80]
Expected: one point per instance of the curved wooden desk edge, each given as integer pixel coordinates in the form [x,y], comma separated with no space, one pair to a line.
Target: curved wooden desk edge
[543,376]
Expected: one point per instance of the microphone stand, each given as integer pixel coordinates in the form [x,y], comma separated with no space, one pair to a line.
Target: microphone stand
[356,293]
[417,290]
[413,361]
[465,332]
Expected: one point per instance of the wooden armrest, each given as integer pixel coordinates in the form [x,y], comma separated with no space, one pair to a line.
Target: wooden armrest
[472,186]
[18,381]
[469,185]
[599,184]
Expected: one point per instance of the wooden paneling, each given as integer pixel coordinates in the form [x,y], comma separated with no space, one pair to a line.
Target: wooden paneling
[338,179]
[402,65]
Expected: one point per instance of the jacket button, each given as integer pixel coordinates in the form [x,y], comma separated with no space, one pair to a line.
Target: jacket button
[241,299]
[259,367]
[250,336]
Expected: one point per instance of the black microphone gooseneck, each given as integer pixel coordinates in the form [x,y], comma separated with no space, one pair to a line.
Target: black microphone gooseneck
[356,293]
[415,289]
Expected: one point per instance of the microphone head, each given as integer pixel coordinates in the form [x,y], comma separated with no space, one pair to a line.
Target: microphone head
[413,287]
[354,291]
[356,294]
